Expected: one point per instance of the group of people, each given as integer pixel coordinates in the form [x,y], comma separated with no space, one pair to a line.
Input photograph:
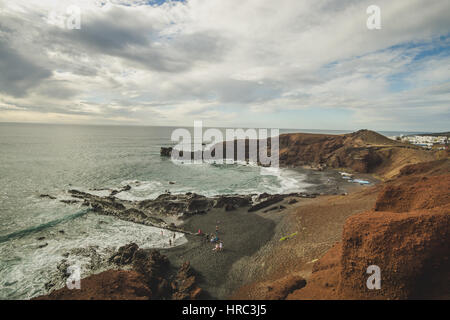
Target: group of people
[219,246]
[170,239]
[212,238]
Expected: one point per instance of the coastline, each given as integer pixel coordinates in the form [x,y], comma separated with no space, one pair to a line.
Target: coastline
[249,238]
[243,233]
[284,237]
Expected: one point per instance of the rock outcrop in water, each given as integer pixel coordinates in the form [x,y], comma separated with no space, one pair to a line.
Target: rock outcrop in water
[157,212]
[150,277]
[265,200]
[125,188]
[154,212]
[93,257]
[166,151]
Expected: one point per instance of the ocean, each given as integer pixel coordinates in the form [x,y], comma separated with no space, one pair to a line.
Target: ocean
[37,233]
[40,159]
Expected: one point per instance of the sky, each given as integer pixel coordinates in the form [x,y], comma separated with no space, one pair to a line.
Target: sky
[229,63]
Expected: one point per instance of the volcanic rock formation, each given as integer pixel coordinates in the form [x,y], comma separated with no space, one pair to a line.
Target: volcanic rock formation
[407,236]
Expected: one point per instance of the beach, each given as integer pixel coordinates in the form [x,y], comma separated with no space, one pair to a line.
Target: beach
[242,233]
[250,232]
[252,239]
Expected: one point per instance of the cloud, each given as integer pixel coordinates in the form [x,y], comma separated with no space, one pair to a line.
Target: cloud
[17,74]
[230,62]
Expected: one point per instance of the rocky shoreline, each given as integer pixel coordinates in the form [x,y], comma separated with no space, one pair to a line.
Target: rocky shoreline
[252,227]
[141,275]
[169,211]
[186,213]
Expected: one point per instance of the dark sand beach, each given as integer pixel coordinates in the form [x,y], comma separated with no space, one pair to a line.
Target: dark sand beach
[247,237]
[242,233]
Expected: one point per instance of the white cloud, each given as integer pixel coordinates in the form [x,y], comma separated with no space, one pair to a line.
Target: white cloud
[213,60]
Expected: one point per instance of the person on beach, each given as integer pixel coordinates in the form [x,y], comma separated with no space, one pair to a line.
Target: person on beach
[174,235]
[170,243]
[214,238]
[216,248]
[217,229]
[220,246]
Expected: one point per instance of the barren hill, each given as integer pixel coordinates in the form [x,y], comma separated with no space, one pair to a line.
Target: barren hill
[407,235]
[405,232]
[363,151]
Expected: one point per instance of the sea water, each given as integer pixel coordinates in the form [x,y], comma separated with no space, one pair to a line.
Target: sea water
[36,233]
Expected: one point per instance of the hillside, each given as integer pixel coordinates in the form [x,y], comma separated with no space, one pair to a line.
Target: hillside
[407,235]
[402,226]
[363,151]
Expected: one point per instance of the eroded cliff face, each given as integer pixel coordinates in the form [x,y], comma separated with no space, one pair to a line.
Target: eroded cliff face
[407,236]
[363,151]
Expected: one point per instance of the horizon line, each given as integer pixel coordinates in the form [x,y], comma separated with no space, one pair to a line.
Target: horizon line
[221,127]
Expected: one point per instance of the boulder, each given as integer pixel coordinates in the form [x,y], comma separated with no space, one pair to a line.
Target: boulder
[47,196]
[232,202]
[125,254]
[166,151]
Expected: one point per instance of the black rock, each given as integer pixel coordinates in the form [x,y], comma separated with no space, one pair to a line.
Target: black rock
[232,202]
[69,201]
[166,152]
[47,196]
[125,254]
[272,199]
